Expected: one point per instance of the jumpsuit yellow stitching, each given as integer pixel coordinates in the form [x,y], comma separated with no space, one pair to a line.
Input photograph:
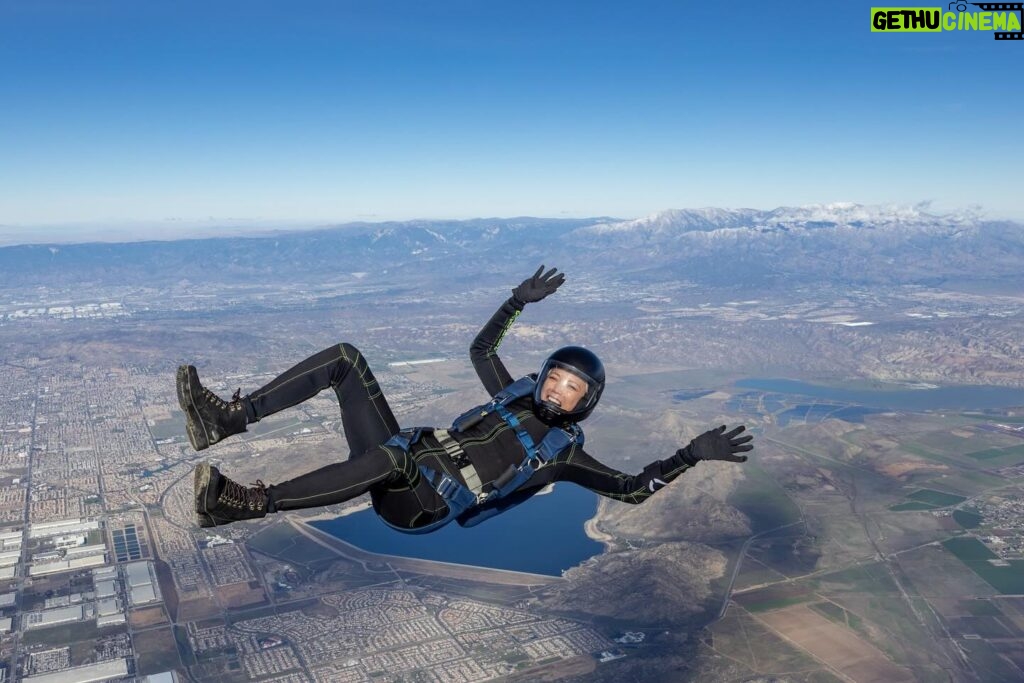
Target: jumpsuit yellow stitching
[492,352]
[344,488]
[291,379]
[376,408]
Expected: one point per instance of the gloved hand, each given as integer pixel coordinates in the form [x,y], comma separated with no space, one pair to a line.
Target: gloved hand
[539,286]
[718,445]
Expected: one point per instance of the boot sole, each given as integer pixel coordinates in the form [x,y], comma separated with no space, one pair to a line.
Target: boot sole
[197,435]
[200,486]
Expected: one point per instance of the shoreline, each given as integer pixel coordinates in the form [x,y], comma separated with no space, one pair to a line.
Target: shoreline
[595,534]
[344,512]
[590,527]
[420,566]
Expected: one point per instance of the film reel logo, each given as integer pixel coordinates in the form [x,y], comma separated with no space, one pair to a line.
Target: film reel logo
[996,7]
[1003,19]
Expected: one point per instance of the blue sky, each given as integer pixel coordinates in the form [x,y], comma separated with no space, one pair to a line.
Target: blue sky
[167,113]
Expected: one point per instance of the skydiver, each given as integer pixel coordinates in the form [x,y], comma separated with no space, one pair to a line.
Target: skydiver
[493,457]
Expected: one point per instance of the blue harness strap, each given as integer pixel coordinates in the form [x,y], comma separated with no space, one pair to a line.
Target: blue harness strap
[554,443]
[463,504]
[456,496]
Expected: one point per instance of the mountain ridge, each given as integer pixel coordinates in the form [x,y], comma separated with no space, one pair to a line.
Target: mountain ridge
[842,242]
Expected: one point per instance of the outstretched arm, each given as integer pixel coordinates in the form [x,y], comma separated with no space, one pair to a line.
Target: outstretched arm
[580,468]
[484,350]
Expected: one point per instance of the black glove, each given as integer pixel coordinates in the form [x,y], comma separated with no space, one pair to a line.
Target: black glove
[539,286]
[717,445]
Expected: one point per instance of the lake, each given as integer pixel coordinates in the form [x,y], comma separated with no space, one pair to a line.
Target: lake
[544,535]
[940,398]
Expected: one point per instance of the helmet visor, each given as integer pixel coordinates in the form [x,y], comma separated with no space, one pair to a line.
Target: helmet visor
[563,383]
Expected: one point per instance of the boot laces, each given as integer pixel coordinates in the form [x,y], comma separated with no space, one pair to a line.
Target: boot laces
[213,398]
[253,497]
[216,400]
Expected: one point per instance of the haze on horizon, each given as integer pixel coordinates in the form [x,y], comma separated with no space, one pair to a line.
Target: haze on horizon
[191,117]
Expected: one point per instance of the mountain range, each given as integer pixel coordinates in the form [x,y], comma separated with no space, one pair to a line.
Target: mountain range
[839,243]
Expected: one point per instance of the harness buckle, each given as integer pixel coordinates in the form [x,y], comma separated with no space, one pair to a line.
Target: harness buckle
[445,486]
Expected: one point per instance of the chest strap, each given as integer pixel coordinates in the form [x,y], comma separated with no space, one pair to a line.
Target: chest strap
[461,460]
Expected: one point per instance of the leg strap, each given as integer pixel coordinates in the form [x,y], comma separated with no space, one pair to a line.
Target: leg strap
[461,460]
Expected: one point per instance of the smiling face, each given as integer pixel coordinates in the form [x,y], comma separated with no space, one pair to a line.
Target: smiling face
[563,389]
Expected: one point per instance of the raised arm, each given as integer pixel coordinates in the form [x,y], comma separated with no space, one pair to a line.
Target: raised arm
[484,349]
[581,468]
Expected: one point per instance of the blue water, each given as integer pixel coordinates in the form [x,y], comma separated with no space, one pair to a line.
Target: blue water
[544,535]
[690,394]
[942,398]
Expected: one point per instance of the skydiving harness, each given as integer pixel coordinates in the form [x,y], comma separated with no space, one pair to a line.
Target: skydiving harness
[469,501]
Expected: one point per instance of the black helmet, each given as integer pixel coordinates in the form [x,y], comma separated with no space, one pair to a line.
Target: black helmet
[585,365]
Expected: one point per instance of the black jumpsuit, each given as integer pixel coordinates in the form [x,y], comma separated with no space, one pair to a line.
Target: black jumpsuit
[400,494]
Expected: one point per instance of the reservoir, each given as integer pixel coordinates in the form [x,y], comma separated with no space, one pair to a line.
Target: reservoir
[910,400]
[544,535]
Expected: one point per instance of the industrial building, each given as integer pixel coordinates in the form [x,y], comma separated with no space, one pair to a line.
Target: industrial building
[138,573]
[67,565]
[107,606]
[9,557]
[63,527]
[10,540]
[106,589]
[165,677]
[52,617]
[91,673]
[69,541]
[102,573]
[142,587]
[110,619]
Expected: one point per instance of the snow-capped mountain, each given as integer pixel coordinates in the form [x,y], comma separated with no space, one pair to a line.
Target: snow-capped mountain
[787,219]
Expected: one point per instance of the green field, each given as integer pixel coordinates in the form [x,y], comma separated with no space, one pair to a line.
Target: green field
[831,610]
[871,579]
[774,597]
[937,498]
[927,453]
[773,604]
[999,457]
[969,549]
[968,520]
[986,454]
[969,482]
[902,507]
[1008,580]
